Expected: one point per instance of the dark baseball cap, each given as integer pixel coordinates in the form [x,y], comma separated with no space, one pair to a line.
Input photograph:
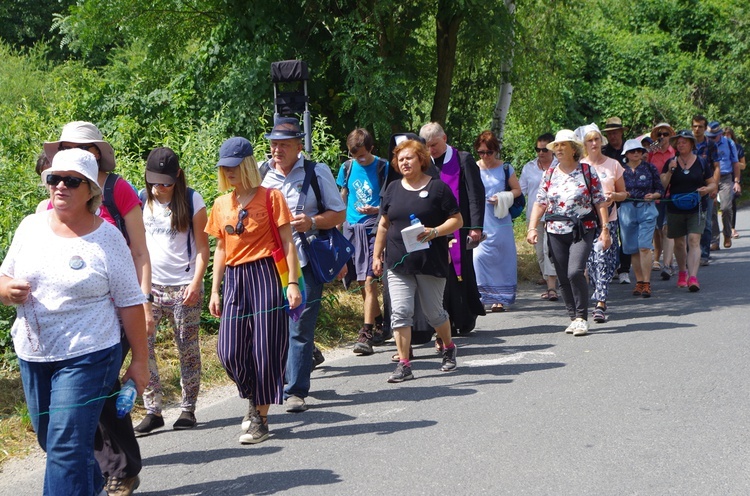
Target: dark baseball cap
[162,166]
[233,151]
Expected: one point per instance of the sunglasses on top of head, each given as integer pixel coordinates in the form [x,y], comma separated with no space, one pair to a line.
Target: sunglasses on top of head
[69,181]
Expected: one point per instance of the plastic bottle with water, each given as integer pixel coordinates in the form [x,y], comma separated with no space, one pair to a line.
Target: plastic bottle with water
[126,398]
[414,221]
[598,246]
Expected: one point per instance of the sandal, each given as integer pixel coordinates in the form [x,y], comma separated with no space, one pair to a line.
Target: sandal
[498,307]
[551,295]
[396,357]
[598,314]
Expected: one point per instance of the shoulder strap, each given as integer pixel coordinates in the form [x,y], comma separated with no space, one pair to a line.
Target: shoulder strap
[274,227]
[108,200]
[143,197]
[347,172]
[311,179]
[191,213]
[263,169]
[506,169]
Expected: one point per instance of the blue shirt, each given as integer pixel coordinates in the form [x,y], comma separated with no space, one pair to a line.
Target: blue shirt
[364,189]
[727,153]
[707,151]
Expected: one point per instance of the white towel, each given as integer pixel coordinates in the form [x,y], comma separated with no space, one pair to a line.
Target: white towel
[504,202]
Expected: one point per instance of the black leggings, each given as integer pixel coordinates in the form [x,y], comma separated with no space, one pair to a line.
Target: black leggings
[569,259]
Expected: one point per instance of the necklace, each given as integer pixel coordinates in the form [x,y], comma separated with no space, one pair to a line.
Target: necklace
[683,166]
[238,197]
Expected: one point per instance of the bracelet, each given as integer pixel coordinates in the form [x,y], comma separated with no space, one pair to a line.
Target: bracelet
[531,229]
[605,228]
[290,283]
[736,181]
[435,232]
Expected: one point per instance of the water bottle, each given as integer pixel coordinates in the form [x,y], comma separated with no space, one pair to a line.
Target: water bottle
[413,220]
[126,398]
[599,246]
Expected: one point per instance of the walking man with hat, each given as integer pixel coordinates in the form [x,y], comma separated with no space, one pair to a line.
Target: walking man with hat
[729,182]
[286,172]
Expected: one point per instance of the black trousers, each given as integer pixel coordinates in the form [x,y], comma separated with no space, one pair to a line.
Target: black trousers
[115,446]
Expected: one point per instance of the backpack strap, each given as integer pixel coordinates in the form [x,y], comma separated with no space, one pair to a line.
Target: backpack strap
[108,200]
[347,172]
[263,169]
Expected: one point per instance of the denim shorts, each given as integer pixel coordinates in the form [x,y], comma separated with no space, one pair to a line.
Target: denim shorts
[637,224]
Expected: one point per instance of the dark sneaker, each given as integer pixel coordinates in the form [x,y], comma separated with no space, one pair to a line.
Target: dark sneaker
[363,346]
[401,374]
[256,433]
[148,424]
[250,415]
[186,421]
[449,359]
[379,336]
[295,404]
[666,273]
[318,357]
[122,487]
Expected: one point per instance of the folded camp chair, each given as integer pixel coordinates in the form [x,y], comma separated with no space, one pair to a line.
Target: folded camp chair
[289,78]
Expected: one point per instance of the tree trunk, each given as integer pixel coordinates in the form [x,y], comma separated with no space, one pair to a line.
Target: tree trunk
[506,88]
[447,23]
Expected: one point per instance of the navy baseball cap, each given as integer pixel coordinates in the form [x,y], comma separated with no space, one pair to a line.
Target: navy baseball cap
[233,151]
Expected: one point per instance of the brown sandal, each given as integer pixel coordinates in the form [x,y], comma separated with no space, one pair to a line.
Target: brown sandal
[550,295]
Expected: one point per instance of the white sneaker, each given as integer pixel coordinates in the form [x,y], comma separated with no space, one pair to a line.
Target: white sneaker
[571,328]
[581,327]
[624,278]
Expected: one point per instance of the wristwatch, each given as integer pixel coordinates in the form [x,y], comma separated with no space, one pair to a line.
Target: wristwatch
[313,225]
[149,297]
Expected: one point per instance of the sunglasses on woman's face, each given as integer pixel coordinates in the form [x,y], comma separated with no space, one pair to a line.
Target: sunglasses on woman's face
[483,153]
[162,185]
[663,134]
[240,227]
[69,181]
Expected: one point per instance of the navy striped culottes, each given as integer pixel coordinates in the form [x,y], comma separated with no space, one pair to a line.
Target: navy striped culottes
[254,331]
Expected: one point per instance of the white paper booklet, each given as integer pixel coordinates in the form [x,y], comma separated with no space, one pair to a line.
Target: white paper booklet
[410,234]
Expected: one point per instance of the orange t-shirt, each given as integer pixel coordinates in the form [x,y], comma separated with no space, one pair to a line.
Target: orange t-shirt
[257,240]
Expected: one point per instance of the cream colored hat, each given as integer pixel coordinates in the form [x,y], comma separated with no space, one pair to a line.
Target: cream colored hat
[83,132]
[566,135]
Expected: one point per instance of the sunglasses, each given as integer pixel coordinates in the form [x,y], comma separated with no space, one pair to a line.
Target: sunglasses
[240,227]
[69,181]
[80,147]
[542,150]
[483,153]
[162,185]
[662,134]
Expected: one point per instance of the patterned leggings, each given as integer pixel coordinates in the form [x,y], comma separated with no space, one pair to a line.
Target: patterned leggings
[185,321]
[601,265]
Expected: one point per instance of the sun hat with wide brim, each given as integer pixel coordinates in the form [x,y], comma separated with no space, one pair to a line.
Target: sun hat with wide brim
[566,135]
[633,144]
[82,132]
[613,123]
[82,162]
[660,126]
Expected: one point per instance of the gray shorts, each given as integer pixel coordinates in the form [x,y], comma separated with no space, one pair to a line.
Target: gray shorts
[402,288]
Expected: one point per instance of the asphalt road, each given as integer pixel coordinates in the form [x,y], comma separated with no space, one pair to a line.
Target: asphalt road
[654,402]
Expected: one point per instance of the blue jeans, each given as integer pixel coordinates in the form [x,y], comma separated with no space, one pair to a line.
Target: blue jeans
[302,340]
[706,236]
[65,399]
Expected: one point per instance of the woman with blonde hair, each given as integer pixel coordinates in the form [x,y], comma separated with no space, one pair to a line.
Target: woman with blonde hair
[254,328]
[602,264]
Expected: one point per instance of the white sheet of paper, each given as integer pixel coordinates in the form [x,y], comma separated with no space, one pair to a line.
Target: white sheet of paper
[409,236]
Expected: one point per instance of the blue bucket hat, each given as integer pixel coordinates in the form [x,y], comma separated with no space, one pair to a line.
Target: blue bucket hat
[233,151]
[714,129]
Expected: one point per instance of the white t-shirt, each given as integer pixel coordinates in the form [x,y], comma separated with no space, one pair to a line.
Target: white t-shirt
[531,176]
[167,248]
[76,285]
